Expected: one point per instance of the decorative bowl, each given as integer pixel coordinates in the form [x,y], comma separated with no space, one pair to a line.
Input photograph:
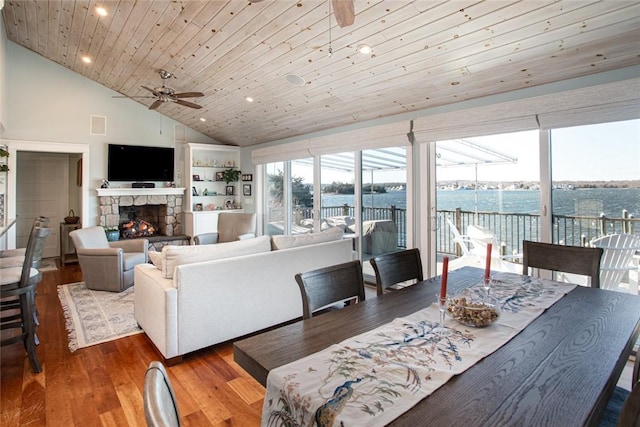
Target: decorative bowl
[473,310]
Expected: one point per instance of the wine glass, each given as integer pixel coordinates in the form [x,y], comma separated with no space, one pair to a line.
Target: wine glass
[441,329]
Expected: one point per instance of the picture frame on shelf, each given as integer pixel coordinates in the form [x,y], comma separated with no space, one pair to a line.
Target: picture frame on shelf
[229,164]
[229,191]
[196,177]
[198,207]
[218,176]
[247,177]
[246,189]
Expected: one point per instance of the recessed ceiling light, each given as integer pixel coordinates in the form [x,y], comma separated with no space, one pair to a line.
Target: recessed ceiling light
[295,80]
[202,119]
[364,49]
[101,11]
[86,60]
[249,99]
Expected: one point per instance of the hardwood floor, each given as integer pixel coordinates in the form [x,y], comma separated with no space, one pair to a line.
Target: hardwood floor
[102,385]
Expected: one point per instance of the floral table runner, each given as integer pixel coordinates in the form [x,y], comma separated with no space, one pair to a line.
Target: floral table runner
[373,378]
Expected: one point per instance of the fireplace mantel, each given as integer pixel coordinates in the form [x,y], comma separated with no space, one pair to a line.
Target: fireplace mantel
[162,191]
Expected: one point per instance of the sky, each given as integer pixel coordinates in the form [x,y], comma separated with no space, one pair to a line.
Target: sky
[602,152]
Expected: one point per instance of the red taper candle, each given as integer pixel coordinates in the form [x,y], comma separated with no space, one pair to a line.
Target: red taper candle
[443,280]
[487,266]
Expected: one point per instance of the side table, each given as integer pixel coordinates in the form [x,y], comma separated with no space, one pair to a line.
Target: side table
[67,250]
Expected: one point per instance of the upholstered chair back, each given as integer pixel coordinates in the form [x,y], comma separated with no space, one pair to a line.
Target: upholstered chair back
[91,237]
[235,225]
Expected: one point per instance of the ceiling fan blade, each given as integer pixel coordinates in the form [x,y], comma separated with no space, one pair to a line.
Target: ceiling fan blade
[187,104]
[155,105]
[150,90]
[344,12]
[188,94]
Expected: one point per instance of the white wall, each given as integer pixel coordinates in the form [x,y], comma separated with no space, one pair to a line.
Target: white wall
[3,82]
[50,103]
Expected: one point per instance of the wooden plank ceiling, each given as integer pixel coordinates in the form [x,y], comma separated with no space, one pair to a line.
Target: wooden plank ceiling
[425,54]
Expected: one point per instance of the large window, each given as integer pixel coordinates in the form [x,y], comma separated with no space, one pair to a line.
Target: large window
[488,190]
[274,198]
[596,181]
[382,195]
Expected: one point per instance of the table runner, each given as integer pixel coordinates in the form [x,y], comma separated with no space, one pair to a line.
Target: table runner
[375,377]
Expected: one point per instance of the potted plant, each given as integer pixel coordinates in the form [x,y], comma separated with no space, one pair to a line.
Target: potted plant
[113,234]
[4,153]
[230,175]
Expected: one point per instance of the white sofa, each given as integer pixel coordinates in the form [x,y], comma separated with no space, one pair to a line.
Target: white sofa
[190,303]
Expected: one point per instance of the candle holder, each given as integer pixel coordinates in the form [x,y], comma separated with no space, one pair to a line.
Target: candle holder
[441,329]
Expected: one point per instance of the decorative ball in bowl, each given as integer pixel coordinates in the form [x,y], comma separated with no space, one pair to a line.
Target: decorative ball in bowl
[477,311]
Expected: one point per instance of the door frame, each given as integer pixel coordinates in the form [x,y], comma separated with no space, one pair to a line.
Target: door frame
[14,146]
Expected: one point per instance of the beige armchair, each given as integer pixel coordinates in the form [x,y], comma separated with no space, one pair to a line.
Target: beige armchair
[107,266]
[231,226]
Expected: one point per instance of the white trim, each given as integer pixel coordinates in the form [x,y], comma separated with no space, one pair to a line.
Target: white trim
[163,191]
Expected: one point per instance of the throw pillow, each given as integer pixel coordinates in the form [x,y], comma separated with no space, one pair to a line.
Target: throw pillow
[286,242]
[173,256]
[155,258]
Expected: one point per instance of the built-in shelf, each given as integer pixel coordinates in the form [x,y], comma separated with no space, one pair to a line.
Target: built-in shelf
[162,191]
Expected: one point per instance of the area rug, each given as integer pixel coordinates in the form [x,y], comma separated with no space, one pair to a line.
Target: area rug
[94,317]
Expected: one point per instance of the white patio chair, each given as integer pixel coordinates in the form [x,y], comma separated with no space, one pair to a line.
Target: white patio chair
[480,237]
[619,250]
[461,240]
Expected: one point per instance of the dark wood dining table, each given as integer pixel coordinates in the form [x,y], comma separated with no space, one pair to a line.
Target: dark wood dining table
[559,371]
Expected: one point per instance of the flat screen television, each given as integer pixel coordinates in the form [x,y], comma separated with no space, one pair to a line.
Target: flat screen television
[139,163]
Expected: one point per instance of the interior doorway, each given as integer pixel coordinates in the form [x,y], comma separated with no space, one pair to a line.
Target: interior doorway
[42,189]
[28,161]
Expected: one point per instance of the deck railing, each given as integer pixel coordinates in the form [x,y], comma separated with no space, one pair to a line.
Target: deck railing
[510,229]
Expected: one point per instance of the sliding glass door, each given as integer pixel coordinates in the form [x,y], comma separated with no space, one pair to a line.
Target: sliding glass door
[384,201]
[488,190]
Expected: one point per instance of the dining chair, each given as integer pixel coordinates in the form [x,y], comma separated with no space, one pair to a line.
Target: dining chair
[623,408]
[160,405]
[17,297]
[619,250]
[41,221]
[397,270]
[328,286]
[630,412]
[568,259]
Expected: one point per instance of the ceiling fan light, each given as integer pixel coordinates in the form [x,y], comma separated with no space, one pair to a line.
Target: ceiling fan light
[365,49]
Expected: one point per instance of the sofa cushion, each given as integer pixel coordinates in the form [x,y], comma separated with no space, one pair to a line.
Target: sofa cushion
[173,256]
[286,242]
[155,258]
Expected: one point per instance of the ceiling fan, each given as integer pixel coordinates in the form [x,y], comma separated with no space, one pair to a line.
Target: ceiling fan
[343,10]
[164,94]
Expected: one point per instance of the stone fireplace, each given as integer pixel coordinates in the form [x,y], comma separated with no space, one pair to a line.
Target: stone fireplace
[160,207]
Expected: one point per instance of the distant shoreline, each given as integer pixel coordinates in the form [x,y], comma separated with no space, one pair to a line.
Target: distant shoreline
[529,184]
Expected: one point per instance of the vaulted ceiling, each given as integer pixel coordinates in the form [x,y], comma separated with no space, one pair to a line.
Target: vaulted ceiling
[425,54]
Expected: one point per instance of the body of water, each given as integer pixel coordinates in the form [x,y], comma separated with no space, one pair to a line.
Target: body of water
[580,202]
